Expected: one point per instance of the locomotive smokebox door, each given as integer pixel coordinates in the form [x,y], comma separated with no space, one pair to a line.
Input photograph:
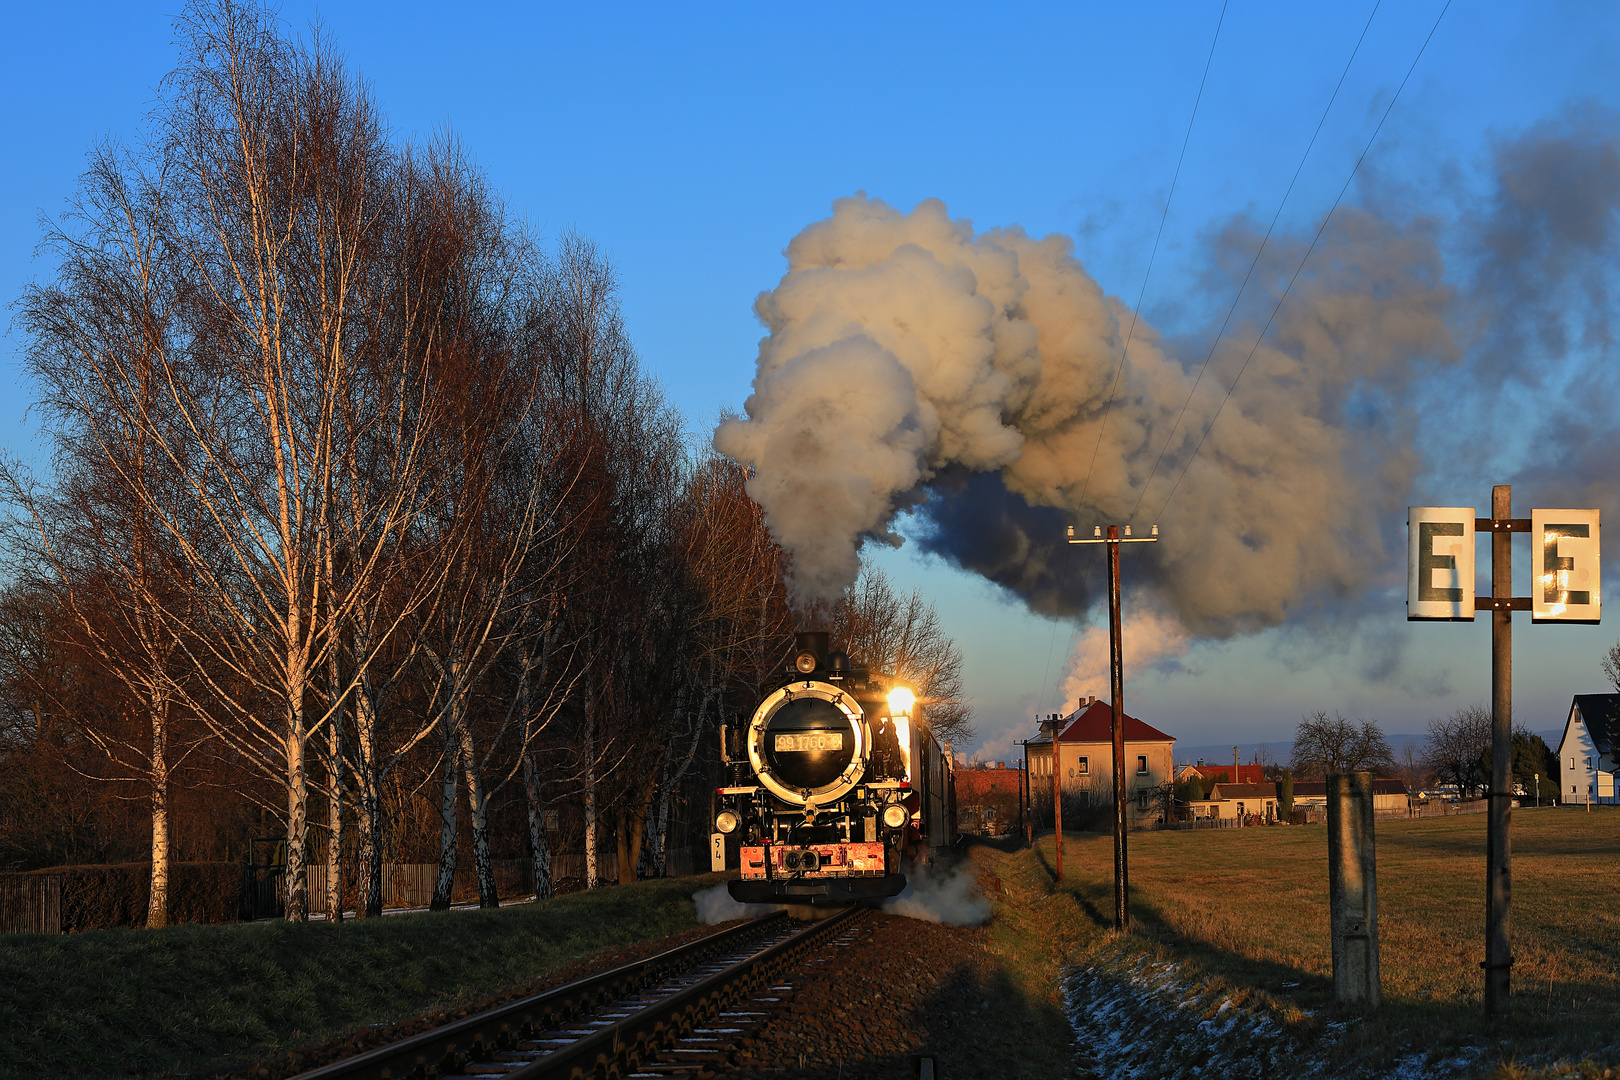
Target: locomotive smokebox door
[717,851]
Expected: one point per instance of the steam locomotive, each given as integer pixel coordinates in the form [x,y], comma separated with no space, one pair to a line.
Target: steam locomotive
[834,783]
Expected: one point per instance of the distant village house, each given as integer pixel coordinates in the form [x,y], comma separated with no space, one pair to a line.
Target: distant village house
[1248,803]
[1389,796]
[987,798]
[1586,753]
[1085,758]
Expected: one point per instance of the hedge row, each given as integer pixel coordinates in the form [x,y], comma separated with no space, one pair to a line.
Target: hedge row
[99,897]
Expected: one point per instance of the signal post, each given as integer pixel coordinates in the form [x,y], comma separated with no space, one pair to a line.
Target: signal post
[1566,587]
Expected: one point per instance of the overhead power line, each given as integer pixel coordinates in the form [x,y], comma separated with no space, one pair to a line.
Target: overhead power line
[1305,258]
[1130,335]
[1119,368]
[1203,367]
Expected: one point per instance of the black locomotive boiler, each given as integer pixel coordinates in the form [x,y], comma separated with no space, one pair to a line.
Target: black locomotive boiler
[835,783]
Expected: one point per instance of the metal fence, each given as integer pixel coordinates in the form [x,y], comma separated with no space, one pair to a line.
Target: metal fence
[31,905]
[1207,823]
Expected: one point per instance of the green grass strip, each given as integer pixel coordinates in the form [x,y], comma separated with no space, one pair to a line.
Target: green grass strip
[191,999]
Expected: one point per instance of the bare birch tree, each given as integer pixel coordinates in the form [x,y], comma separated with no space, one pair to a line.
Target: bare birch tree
[902,635]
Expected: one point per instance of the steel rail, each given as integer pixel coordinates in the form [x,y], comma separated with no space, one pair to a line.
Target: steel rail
[443,1050]
[617,1049]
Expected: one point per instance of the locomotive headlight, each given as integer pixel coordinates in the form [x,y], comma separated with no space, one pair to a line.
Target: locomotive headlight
[726,821]
[894,815]
[901,699]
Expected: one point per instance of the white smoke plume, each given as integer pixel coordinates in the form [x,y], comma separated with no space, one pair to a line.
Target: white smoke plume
[914,363]
[1148,638]
[715,905]
[951,897]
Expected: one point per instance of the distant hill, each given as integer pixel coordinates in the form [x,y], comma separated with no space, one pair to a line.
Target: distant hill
[1278,750]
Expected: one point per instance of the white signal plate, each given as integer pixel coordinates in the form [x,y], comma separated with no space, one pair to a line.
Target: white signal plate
[1440,563]
[1567,585]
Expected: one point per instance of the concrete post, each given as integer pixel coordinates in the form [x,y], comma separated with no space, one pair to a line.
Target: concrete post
[1353,888]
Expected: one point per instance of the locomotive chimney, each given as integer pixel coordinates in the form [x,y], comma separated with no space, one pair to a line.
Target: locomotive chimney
[812,641]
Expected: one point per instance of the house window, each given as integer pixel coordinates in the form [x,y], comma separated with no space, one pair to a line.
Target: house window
[1141,763]
[1141,799]
[1085,766]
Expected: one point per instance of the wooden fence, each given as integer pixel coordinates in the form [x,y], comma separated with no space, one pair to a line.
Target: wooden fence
[31,905]
[408,885]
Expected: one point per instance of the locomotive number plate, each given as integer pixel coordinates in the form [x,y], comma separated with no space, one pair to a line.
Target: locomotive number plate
[806,741]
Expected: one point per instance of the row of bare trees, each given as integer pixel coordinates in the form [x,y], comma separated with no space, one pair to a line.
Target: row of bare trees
[347,472]
[360,501]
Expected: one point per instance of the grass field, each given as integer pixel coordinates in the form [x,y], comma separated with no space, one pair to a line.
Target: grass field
[1248,908]
[195,999]
[1237,917]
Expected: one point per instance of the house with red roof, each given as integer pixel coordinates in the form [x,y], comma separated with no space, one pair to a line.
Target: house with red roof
[1085,757]
[1214,772]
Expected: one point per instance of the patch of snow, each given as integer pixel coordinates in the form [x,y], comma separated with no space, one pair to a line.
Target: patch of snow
[1137,1019]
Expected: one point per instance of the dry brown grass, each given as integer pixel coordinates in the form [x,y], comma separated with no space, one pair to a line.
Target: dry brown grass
[1249,907]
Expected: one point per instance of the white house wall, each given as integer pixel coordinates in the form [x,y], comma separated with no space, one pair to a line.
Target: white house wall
[1582,770]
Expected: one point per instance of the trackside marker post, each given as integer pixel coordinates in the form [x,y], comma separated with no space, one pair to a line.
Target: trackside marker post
[1566,587]
[1353,888]
[1122,905]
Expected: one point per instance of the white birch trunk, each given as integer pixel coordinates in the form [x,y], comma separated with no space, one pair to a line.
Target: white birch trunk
[448,826]
[334,818]
[368,808]
[539,842]
[157,908]
[297,821]
[477,802]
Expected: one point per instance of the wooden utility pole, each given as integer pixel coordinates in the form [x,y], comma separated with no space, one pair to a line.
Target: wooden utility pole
[1057,798]
[1023,795]
[1498,963]
[1122,898]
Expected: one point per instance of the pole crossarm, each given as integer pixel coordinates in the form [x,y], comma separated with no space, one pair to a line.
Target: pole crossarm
[1113,536]
[1502,524]
[1121,540]
[1502,603]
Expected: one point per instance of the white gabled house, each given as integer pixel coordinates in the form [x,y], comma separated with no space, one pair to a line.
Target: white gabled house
[1589,752]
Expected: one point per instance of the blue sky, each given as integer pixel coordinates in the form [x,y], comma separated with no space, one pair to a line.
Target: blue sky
[693,144]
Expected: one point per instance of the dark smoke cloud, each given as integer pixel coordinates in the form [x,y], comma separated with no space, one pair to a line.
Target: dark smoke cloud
[1545,246]
[972,521]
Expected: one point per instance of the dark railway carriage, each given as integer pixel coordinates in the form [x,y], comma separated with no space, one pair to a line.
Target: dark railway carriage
[835,782]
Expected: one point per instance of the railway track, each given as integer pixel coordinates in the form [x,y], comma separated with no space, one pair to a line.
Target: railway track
[678,1014]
